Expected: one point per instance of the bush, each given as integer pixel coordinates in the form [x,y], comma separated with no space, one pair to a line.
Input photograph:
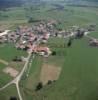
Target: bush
[13,98]
[54,53]
[30,20]
[49,82]
[39,86]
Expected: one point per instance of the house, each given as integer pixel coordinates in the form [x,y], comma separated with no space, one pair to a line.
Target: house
[4,33]
[93,42]
[43,51]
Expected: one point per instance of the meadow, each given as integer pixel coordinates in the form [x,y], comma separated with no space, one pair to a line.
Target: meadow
[78,79]
[94,34]
[7,53]
[8,92]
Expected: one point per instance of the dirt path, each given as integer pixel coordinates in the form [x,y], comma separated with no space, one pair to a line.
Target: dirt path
[4,62]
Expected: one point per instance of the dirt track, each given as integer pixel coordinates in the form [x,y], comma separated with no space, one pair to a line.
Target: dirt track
[4,62]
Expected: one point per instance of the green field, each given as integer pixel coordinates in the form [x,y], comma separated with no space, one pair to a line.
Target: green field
[94,34]
[28,84]
[8,92]
[78,80]
[67,17]
[8,52]
[4,78]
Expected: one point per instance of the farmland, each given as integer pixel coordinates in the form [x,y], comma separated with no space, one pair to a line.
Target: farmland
[67,17]
[7,54]
[8,92]
[78,79]
[78,63]
[94,34]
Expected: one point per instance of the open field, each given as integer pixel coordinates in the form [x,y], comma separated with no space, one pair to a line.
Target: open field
[7,54]
[67,17]
[4,78]
[8,92]
[94,34]
[4,62]
[78,80]
[28,85]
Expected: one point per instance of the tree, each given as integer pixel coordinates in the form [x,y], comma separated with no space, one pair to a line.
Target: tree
[30,20]
[69,43]
[49,82]
[13,98]
[54,53]
[39,86]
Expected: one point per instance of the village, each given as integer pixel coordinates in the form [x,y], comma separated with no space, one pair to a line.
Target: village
[25,36]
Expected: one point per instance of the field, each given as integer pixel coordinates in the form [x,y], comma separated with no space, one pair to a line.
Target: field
[78,79]
[67,17]
[94,34]
[8,92]
[79,66]
[7,54]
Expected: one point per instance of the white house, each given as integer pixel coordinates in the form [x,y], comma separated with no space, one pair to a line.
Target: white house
[4,33]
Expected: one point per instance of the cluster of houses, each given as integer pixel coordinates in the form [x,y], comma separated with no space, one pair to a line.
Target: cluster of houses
[25,36]
[3,36]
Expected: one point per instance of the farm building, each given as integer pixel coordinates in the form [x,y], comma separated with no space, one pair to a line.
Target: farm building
[94,42]
[44,51]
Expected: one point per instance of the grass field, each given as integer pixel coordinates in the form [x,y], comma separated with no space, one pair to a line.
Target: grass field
[28,85]
[94,34]
[69,16]
[4,78]
[8,52]
[78,80]
[8,92]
